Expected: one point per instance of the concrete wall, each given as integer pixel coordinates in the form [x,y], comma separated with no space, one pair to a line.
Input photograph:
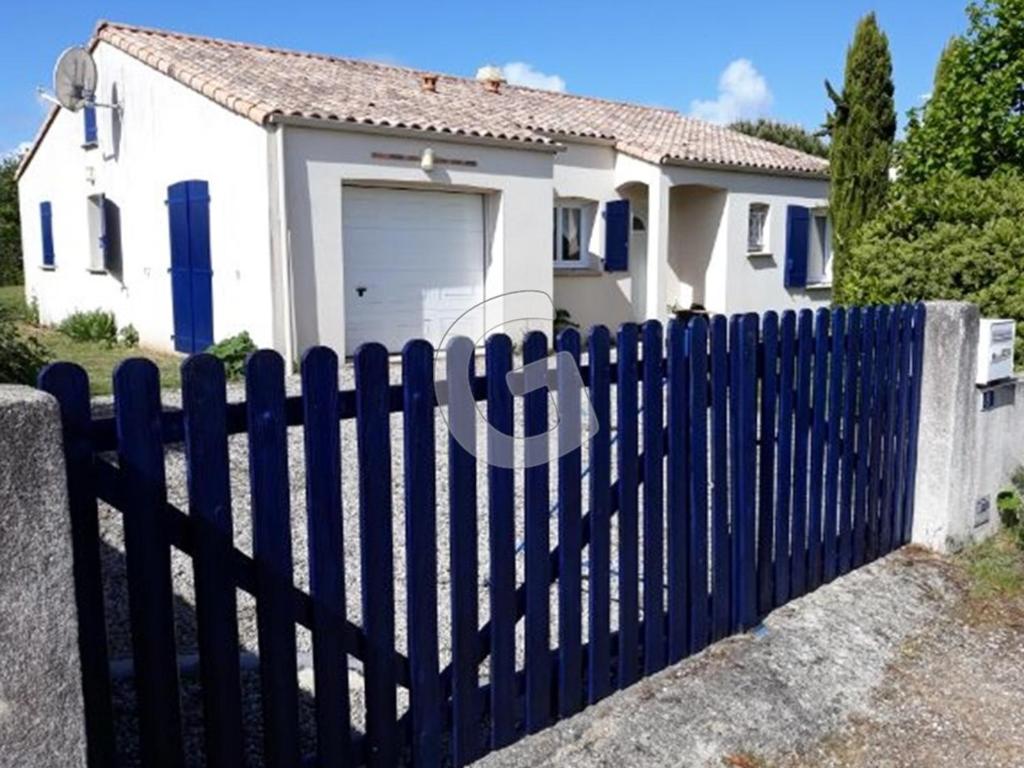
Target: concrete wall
[516,184]
[967,450]
[166,133]
[41,718]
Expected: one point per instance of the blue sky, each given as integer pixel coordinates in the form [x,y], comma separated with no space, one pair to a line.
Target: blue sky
[716,59]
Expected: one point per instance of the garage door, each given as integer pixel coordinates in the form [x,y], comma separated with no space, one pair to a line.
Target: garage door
[414,262]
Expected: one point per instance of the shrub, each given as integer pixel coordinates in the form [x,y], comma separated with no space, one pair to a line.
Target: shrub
[128,336]
[563,320]
[97,325]
[232,352]
[1009,505]
[948,237]
[21,357]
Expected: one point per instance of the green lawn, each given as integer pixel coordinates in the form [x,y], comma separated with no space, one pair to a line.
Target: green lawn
[97,359]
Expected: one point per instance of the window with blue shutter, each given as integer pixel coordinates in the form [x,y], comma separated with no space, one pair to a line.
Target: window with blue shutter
[798,226]
[89,120]
[46,220]
[616,235]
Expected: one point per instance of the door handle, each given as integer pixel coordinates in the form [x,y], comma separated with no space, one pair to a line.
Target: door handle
[360,290]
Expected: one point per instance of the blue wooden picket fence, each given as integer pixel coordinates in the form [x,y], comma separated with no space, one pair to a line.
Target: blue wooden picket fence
[777,454]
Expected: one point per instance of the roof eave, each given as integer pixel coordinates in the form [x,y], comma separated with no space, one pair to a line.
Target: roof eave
[751,169]
[351,126]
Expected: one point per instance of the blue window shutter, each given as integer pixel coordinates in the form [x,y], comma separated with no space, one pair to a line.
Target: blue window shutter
[199,255]
[181,289]
[89,118]
[798,229]
[616,236]
[46,218]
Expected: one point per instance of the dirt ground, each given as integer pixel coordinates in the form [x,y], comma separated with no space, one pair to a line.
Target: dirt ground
[916,660]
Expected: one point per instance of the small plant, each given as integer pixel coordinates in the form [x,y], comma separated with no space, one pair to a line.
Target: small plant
[232,351]
[96,326]
[563,320]
[32,312]
[1009,505]
[21,357]
[128,336]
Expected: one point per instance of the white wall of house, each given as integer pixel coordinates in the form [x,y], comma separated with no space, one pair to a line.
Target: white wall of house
[516,185]
[736,281]
[166,133]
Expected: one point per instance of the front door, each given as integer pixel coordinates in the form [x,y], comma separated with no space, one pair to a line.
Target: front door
[188,212]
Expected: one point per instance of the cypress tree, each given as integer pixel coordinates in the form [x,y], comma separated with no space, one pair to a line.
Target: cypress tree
[862,127]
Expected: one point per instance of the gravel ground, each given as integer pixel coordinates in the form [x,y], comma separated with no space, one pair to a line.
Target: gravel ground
[883,667]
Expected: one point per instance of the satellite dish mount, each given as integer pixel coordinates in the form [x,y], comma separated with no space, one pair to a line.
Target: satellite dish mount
[74,81]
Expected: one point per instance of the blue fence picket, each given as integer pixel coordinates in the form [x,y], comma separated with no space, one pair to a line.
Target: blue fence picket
[148,561]
[69,384]
[744,528]
[204,404]
[891,435]
[599,563]
[677,502]
[373,445]
[463,563]
[697,351]
[851,357]
[654,515]
[721,589]
[570,527]
[875,453]
[819,398]
[272,553]
[419,448]
[538,569]
[900,428]
[784,472]
[916,365]
[864,428]
[627,445]
[798,556]
[768,351]
[501,512]
[830,517]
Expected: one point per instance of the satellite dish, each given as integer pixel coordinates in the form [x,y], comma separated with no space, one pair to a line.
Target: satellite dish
[74,78]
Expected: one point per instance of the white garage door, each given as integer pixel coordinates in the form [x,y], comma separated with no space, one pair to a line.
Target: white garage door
[414,262]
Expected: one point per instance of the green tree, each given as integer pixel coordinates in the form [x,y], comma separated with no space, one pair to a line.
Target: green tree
[10,224]
[974,121]
[862,127]
[786,134]
[948,237]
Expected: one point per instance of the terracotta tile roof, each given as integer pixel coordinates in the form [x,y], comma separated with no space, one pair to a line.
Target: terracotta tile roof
[258,82]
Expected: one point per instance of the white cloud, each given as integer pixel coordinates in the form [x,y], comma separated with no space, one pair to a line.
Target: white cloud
[742,93]
[521,73]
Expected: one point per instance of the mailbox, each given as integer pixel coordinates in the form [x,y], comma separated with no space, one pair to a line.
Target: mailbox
[995,350]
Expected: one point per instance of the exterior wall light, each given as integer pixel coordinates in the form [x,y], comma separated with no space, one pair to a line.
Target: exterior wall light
[427,160]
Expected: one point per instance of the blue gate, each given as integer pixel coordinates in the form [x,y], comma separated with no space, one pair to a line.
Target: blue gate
[188,212]
[771,456]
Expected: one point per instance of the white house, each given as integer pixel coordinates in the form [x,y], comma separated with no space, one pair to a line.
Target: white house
[311,199]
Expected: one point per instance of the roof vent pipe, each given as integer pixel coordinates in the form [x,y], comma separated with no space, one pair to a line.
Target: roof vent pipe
[491,77]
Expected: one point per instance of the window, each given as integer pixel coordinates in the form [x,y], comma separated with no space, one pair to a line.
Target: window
[819,263]
[46,220]
[757,222]
[97,232]
[89,122]
[571,235]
